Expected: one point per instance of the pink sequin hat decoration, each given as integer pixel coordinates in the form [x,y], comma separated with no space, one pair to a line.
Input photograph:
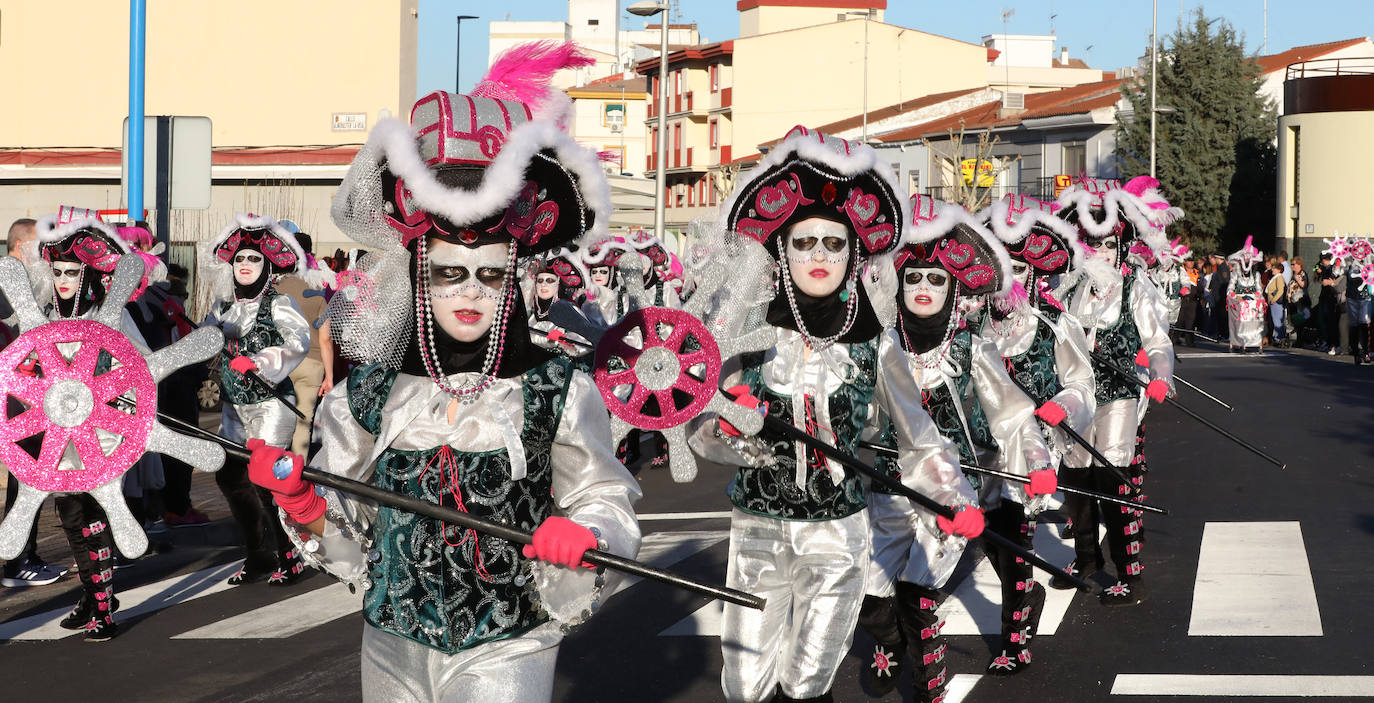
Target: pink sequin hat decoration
[1034,235]
[266,235]
[946,235]
[810,174]
[1102,208]
[81,233]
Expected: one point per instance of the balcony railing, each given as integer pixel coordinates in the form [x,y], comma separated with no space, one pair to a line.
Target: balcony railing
[1348,66]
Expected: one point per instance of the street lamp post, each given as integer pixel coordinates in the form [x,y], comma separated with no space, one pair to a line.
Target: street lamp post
[458,54]
[648,8]
[866,15]
[1154,81]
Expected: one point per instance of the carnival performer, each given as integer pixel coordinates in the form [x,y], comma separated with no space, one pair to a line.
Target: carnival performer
[1165,270]
[265,335]
[557,276]
[604,301]
[456,405]
[662,271]
[1126,322]
[1245,307]
[78,257]
[824,208]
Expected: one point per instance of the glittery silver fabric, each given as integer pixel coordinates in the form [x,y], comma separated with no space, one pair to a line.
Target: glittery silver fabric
[274,363]
[515,670]
[906,550]
[1112,432]
[1150,314]
[268,421]
[812,574]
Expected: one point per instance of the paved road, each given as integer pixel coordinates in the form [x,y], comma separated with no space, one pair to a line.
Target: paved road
[1258,572]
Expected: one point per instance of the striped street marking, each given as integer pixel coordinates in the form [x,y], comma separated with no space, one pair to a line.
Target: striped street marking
[1253,579]
[663,549]
[714,515]
[283,618]
[960,686]
[1224,355]
[132,603]
[1234,685]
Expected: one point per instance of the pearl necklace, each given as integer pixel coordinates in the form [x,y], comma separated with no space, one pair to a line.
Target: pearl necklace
[932,358]
[850,314]
[76,299]
[496,342]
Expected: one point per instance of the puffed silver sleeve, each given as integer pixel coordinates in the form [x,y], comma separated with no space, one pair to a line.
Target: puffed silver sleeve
[1151,314]
[928,461]
[345,450]
[1011,417]
[592,488]
[709,442]
[276,363]
[1073,363]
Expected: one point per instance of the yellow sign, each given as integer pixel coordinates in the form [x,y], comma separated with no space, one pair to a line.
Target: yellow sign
[1061,182]
[986,175]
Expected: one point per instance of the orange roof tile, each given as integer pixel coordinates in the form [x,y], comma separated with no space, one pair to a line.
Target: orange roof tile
[1067,101]
[1283,59]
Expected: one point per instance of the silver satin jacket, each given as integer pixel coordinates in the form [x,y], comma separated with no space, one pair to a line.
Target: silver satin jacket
[1151,315]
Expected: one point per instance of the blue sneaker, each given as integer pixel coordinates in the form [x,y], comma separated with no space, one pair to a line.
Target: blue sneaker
[32,572]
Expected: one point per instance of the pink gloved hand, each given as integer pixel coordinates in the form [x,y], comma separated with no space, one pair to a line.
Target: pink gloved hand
[559,540]
[968,522]
[279,471]
[1051,412]
[741,395]
[1142,359]
[242,364]
[555,335]
[1042,483]
[1157,390]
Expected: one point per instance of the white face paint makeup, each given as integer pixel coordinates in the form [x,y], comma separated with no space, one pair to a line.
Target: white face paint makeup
[601,275]
[66,278]
[1105,250]
[817,256]
[248,266]
[465,285]
[1020,271]
[925,290]
[546,286]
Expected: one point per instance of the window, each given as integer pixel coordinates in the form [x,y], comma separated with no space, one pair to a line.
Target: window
[913,181]
[618,164]
[715,78]
[677,143]
[613,116]
[691,193]
[677,82]
[711,191]
[1075,159]
[715,134]
[593,23]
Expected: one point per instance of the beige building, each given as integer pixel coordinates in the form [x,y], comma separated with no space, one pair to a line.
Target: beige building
[607,116]
[795,62]
[1326,146]
[288,109]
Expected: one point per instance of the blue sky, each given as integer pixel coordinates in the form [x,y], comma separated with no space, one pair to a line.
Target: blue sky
[1117,32]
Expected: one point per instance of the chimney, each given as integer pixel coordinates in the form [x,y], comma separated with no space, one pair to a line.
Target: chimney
[1064,55]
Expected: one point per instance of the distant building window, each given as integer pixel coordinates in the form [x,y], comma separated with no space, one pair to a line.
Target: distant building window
[715,78]
[593,23]
[715,134]
[618,152]
[677,83]
[1075,155]
[913,181]
[613,116]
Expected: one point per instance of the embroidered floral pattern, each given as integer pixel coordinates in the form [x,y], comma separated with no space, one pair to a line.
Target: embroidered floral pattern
[1034,369]
[438,584]
[883,662]
[773,491]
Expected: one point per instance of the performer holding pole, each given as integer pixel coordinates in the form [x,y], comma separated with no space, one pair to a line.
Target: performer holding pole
[800,532]
[1126,319]
[457,406]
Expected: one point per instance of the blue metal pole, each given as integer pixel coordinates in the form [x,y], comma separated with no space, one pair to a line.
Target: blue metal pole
[138,30]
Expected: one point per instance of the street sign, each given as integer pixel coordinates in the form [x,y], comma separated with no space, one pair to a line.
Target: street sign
[187,165]
[1061,183]
[984,168]
[349,122]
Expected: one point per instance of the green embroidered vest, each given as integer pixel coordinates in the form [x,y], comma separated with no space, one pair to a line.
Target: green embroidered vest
[1118,343]
[261,334]
[443,586]
[1035,369]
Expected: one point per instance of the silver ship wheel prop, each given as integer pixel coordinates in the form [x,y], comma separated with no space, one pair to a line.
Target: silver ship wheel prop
[659,368]
[91,424]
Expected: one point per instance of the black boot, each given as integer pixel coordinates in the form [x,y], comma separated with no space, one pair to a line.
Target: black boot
[290,569]
[878,617]
[257,567]
[921,625]
[1022,597]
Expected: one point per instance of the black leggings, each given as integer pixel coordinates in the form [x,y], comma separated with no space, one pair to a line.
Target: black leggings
[254,512]
[88,533]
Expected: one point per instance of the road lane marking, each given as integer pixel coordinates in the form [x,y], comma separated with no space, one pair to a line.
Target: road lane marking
[663,549]
[134,602]
[722,515]
[283,618]
[1235,685]
[1253,579]
[960,686]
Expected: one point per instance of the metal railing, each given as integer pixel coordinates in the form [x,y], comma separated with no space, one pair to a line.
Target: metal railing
[1348,66]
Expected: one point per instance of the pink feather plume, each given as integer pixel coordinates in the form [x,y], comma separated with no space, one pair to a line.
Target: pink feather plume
[523,72]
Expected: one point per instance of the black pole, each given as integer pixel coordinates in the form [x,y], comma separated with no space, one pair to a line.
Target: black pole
[1078,439]
[880,449]
[163,230]
[773,423]
[1211,425]
[506,532]
[458,53]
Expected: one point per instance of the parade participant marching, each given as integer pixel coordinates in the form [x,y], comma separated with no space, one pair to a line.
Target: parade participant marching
[1126,322]
[824,208]
[1165,270]
[604,302]
[78,256]
[265,336]
[456,405]
[948,257]
[557,276]
[1245,306]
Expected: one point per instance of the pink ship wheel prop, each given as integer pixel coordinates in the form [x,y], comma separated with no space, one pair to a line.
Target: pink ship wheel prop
[659,367]
[66,402]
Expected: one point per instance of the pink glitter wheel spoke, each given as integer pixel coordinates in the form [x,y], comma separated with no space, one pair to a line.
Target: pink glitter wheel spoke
[659,369]
[86,443]
[24,425]
[111,420]
[84,362]
[51,362]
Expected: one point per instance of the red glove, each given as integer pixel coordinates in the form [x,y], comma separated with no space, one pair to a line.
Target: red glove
[740,394]
[29,367]
[1142,359]
[1042,483]
[1185,291]
[968,522]
[279,471]
[560,541]
[1157,390]
[555,335]
[1051,412]
[242,364]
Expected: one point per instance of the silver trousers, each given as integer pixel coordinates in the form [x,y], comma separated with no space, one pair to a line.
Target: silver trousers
[518,670]
[903,551]
[268,421]
[812,574]
[1112,433]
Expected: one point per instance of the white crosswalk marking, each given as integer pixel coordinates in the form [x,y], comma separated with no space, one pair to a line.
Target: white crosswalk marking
[663,549]
[137,601]
[1253,579]
[283,618]
[960,686]
[1236,686]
